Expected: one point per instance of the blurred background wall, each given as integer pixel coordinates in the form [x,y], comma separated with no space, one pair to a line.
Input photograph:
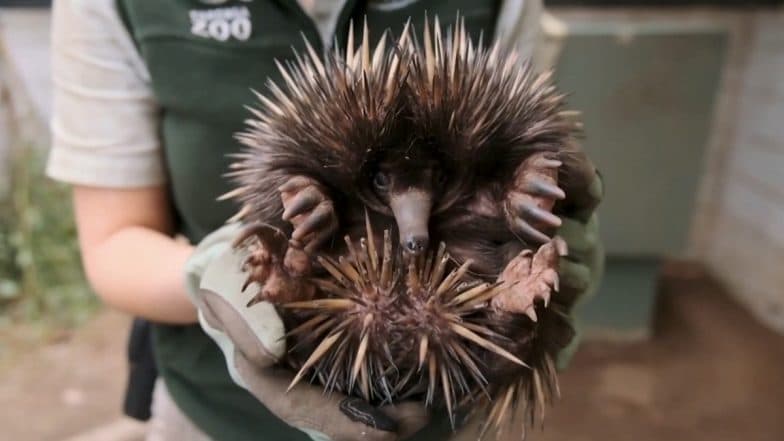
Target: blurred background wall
[738,228]
[683,114]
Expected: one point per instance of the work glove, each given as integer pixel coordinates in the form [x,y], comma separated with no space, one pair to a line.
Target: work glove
[252,341]
[580,271]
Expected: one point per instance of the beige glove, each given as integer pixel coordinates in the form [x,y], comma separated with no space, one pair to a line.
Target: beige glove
[252,342]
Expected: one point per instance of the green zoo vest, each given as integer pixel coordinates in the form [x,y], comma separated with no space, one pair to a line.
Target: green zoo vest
[203,61]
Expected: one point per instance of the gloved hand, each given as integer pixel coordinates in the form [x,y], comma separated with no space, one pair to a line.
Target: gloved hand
[252,342]
[580,271]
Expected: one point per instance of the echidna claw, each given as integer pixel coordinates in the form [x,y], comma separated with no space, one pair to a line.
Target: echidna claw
[273,239]
[539,187]
[530,233]
[245,286]
[531,313]
[305,200]
[253,301]
[533,212]
[561,246]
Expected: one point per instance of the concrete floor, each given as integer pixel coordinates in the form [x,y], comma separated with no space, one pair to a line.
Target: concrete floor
[710,374]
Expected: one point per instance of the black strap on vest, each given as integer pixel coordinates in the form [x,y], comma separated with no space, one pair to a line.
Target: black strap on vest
[142,373]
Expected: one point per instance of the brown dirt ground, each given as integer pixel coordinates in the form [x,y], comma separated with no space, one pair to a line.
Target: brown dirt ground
[711,373]
[64,386]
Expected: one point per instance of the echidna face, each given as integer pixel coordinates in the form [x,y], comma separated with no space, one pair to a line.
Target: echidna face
[408,186]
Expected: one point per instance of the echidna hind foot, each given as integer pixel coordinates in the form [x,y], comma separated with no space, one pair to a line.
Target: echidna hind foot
[266,265]
[530,276]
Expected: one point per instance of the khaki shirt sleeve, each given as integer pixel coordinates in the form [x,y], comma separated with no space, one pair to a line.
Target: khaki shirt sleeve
[105,117]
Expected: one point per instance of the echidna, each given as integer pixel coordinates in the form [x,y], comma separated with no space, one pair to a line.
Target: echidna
[440,142]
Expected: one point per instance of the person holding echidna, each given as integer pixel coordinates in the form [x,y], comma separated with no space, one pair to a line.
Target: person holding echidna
[148,98]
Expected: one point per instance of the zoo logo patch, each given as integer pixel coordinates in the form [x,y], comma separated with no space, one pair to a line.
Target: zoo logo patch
[223,23]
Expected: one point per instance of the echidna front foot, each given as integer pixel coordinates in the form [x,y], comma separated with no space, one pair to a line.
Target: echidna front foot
[310,210]
[265,265]
[529,202]
[530,276]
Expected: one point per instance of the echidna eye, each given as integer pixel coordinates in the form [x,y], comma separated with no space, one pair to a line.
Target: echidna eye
[381,181]
[441,179]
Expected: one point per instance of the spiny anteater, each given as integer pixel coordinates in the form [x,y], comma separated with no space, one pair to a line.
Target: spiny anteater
[439,142]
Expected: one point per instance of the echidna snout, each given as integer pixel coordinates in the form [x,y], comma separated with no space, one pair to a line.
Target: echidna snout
[412,213]
[409,186]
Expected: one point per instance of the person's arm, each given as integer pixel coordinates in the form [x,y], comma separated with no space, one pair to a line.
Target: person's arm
[105,142]
[129,256]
